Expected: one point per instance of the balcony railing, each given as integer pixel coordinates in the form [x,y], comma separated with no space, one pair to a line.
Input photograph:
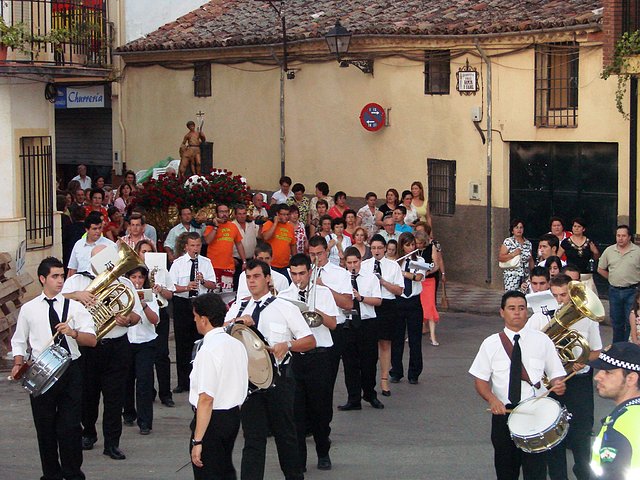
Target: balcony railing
[60,32]
[630,16]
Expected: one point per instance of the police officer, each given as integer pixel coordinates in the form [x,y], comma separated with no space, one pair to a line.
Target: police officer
[616,450]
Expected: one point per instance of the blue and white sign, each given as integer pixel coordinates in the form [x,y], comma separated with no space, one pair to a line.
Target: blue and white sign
[80,97]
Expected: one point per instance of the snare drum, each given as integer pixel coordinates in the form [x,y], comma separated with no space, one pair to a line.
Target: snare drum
[263,368]
[46,370]
[538,424]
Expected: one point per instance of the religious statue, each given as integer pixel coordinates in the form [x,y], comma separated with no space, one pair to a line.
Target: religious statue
[190,149]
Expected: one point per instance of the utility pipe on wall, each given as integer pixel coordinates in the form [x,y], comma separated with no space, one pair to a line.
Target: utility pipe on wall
[489,219]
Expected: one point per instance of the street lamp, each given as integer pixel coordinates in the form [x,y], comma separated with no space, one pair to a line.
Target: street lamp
[338,39]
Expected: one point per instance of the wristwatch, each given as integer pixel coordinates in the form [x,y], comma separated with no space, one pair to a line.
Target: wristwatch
[195,442]
[289,346]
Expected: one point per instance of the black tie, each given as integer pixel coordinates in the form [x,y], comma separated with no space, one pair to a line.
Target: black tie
[256,314]
[408,284]
[54,320]
[192,276]
[302,296]
[515,374]
[376,268]
[356,304]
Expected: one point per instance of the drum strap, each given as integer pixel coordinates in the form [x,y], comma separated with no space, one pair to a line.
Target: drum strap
[508,347]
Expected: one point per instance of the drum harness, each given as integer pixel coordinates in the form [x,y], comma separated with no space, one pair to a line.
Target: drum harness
[508,348]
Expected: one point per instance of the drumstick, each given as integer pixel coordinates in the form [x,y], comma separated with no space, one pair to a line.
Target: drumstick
[51,340]
[563,381]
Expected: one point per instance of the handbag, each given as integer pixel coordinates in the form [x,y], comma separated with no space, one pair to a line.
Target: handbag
[513,263]
[444,301]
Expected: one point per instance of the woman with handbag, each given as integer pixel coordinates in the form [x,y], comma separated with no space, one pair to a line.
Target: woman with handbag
[515,257]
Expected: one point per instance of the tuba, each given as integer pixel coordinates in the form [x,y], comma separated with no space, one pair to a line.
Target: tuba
[584,303]
[113,298]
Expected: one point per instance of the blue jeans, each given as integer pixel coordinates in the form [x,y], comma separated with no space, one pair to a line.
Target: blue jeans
[620,304]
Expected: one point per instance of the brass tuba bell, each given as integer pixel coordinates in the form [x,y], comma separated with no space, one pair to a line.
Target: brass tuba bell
[584,303]
[113,298]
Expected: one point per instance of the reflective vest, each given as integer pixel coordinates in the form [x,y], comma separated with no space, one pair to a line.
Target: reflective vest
[616,450]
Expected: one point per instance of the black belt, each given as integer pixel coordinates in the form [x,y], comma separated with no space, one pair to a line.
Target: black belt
[104,341]
[317,350]
[626,288]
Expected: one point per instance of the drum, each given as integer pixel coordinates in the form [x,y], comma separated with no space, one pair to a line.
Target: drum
[263,368]
[538,424]
[46,370]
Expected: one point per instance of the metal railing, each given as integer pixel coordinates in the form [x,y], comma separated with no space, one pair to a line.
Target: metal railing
[630,16]
[37,171]
[61,32]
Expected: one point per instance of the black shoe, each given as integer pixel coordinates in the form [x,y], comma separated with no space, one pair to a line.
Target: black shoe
[180,389]
[324,463]
[128,422]
[386,393]
[394,380]
[144,430]
[88,442]
[168,402]
[345,408]
[115,453]
[375,403]
[413,381]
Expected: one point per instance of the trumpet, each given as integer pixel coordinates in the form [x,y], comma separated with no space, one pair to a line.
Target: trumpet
[313,318]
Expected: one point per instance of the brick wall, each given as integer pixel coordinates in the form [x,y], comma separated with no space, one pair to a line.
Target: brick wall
[612,27]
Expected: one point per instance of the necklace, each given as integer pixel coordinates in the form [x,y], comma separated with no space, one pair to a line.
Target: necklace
[579,248]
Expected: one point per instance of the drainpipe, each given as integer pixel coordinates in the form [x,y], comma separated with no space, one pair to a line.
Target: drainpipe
[633,153]
[489,251]
[282,137]
[123,132]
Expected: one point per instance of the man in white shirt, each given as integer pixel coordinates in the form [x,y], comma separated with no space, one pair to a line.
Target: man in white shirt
[285,331]
[391,285]
[85,181]
[192,275]
[56,413]
[282,195]
[492,370]
[184,226]
[249,232]
[80,260]
[579,395]
[278,282]
[137,225]
[104,367]
[548,247]
[312,369]
[338,280]
[361,351]
[388,231]
[217,388]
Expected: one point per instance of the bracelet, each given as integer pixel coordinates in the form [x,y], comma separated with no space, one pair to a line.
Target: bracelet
[77,333]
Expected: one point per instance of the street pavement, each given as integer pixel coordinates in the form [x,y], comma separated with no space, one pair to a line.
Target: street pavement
[436,430]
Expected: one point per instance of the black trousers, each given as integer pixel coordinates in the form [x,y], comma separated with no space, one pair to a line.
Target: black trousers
[272,408]
[138,402]
[217,446]
[56,415]
[508,458]
[578,399]
[184,329]
[313,400]
[105,370]
[162,360]
[339,343]
[360,358]
[409,320]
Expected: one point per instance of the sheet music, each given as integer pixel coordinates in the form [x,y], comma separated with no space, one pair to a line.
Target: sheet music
[538,301]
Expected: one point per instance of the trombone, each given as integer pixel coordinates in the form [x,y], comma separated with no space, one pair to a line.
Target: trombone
[313,318]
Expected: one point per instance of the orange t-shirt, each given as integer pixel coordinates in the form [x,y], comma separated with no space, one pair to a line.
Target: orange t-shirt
[281,243]
[220,251]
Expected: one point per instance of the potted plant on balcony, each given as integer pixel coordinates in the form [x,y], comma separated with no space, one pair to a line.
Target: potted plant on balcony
[625,63]
[16,37]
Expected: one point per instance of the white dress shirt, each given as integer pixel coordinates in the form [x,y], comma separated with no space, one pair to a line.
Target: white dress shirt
[181,273]
[220,370]
[324,302]
[338,280]
[34,330]
[589,329]
[84,182]
[368,286]
[175,232]
[280,197]
[416,287]
[80,259]
[144,331]
[492,364]
[280,321]
[279,281]
[390,271]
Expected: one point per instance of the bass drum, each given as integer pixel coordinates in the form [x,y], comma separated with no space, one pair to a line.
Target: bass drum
[263,369]
[538,424]
[46,370]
